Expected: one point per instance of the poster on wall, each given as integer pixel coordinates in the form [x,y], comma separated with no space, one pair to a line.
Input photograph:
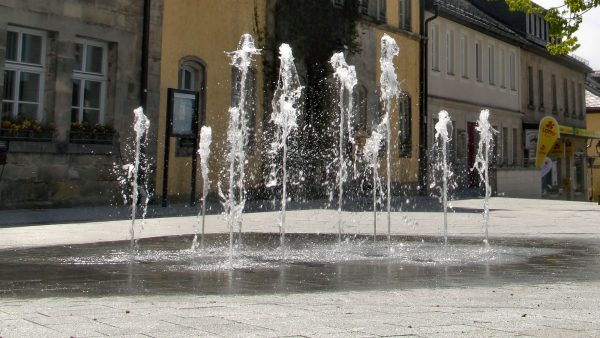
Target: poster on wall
[183,113]
[531,136]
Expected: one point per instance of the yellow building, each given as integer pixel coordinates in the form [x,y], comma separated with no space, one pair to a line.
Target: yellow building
[593,152]
[194,41]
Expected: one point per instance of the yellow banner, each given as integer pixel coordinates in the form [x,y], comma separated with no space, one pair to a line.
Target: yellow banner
[547,135]
[566,130]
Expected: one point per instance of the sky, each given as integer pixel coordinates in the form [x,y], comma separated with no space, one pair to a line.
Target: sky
[587,34]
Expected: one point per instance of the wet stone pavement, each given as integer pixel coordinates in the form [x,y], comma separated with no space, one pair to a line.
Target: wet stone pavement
[540,276]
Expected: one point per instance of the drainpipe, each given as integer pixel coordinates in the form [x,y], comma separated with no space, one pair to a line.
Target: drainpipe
[145,49]
[423,95]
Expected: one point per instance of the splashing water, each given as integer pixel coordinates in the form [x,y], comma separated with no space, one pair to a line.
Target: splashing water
[345,76]
[285,113]
[389,91]
[485,146]
[237,138]
[204,152]
[371,157]
[443,132]
[138,171]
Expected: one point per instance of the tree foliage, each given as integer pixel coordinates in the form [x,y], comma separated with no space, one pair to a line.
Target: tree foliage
[564,21]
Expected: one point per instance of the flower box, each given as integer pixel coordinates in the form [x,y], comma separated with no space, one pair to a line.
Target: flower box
[89,137]
[26,135]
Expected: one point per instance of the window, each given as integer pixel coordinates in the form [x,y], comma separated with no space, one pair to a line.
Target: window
[502,69]
[541,88]
[513,72]
[363,7]
[360,100]
[478,73]
[24,73]
[553,88]
[573,101]
[515,147]
[435,64]
[405,146]
[566,97]
[89,82]
[581,101]
[450,52]
[530,103]
[381,11]
[191,74]
[464,52]
[504,160]
[492,65]
[250,100]
[404,15]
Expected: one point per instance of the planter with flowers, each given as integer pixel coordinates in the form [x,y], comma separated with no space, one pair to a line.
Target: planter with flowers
[21,129]
[86,133]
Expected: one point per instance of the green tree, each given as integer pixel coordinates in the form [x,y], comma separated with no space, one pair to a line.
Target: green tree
[564,21]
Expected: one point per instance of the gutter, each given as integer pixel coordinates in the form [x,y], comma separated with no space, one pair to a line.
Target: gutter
[424,28]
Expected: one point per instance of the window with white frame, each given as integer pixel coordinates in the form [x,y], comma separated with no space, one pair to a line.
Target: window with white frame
[573,100]
[492,65]
[566,97]
[554,97]
[24,73]
[478,72]
[513,71]
[580,101]
[541,89]
[502,69]
[404,15]
[515,147]
[464,52]
[381,10]
[450,52]
[435,57]
[89,82]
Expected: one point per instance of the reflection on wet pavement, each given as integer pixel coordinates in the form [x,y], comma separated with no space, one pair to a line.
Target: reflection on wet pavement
[309,263]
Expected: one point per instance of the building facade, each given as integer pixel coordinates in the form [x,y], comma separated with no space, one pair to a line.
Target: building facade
[71,76]
[194,39]
[473,65]
[550,86]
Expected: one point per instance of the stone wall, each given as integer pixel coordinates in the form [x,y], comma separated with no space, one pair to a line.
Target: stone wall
[60,172]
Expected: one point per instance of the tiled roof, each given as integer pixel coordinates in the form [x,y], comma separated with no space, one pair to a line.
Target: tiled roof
[591,100]
[468,12]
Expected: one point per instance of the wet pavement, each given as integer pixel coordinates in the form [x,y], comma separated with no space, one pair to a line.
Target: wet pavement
[310,263]
[539,277]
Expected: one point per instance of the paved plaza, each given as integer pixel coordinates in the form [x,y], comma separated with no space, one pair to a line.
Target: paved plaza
[532,308]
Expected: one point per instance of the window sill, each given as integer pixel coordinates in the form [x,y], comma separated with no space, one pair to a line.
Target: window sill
[530,107]
[85,137]
[26,135]
[541,109]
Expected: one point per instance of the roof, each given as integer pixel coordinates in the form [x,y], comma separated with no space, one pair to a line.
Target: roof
[592,100]
[472,16]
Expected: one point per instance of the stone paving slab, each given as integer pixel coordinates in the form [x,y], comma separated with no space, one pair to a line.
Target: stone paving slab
[564,310]
[539,310]
[510,217]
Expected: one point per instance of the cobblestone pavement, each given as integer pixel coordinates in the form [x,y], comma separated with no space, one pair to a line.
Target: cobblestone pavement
[513,309]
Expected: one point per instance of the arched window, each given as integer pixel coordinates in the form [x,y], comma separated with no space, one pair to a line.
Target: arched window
[191,74]
[405,137]
[192,77]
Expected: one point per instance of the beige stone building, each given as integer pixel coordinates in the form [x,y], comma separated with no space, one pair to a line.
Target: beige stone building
[71,74]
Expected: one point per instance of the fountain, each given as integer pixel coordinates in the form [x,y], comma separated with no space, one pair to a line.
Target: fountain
[138,170]
[443,135]
[345,76]
[237,138]
[313,261]
[204,152]
[389,91]
[371,157]
[482,161]
[285,113]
